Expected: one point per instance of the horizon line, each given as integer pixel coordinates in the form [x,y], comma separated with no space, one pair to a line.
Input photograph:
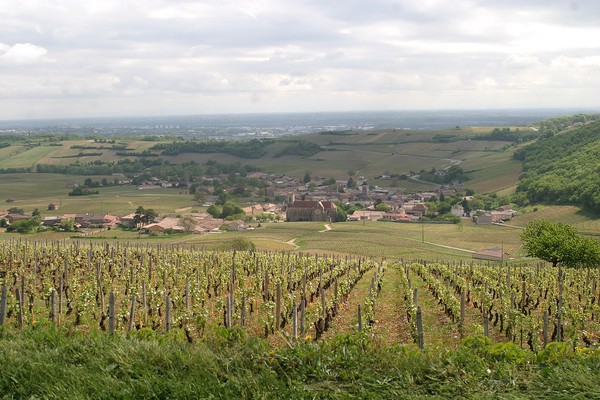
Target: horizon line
[416,110]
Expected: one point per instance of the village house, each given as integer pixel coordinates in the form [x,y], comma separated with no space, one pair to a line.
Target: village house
[204,222]
[236,225]
[503,213]
[128,221]
[415,209]
[483,218]
[457,210]
[12,218]
[396,217]
[166,224]
[365,215]
[52,221]
[93,220]
[253,210]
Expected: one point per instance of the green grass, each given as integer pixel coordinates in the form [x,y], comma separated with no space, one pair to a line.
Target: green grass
[25,157]
[45,363]
[30,191]
[372,239]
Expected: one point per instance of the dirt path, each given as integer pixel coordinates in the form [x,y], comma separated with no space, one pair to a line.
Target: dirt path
[292,243]
[327,228]
[391,323]
[346,321]
[438,329]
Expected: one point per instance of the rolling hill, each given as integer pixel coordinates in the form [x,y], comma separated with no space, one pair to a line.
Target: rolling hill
[370,153]
[563,169]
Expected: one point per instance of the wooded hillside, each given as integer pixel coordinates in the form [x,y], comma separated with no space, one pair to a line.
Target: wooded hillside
[564,168]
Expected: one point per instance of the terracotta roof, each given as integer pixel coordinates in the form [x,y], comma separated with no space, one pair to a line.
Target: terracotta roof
[328,204]
[304,204]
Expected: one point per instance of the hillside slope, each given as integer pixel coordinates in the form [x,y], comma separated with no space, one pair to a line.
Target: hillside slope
[564,168]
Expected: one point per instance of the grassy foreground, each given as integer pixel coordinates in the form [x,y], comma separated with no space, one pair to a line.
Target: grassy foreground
[46,363]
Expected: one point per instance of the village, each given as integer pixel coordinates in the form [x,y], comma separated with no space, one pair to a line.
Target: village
[284,199]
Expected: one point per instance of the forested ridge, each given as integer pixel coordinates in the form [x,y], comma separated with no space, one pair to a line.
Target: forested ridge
[564,168]
[254,148]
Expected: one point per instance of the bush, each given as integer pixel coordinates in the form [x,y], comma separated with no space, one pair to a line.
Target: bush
[240,244]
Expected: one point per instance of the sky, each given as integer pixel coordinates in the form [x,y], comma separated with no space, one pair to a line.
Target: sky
[97,58]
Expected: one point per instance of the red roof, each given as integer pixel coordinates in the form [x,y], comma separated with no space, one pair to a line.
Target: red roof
[328,204]
[304,204]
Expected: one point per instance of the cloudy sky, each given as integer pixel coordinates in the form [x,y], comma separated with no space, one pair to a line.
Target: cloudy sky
[74,58]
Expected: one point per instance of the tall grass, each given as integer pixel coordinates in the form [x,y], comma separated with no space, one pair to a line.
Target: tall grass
[49,363]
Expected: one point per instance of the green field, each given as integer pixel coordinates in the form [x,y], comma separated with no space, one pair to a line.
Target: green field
[30,191]
[25,157]
[373,239]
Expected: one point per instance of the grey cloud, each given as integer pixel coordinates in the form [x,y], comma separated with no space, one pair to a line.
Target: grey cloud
[289,52]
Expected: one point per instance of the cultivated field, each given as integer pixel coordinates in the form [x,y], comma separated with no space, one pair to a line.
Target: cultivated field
[30,191]
[369,153]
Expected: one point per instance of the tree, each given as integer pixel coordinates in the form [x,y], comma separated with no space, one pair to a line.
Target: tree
[230,208]
[137,218]
[240,244]
[341,215]
[466,206]
[149,216]
[67,224]
[559,244]
[200,197]
[189,224]
[144,216]
[214,211]
[31,225]
[16,210]
[307,177]
[383,207]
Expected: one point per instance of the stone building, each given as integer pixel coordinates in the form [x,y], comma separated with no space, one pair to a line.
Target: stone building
[311,211]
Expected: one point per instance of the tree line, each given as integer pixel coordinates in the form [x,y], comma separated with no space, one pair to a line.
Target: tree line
[254,148]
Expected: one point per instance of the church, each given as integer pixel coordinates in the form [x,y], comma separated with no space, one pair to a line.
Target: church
[323,210]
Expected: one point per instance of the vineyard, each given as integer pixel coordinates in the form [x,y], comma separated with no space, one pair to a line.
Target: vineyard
[120,288]
[288,297]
